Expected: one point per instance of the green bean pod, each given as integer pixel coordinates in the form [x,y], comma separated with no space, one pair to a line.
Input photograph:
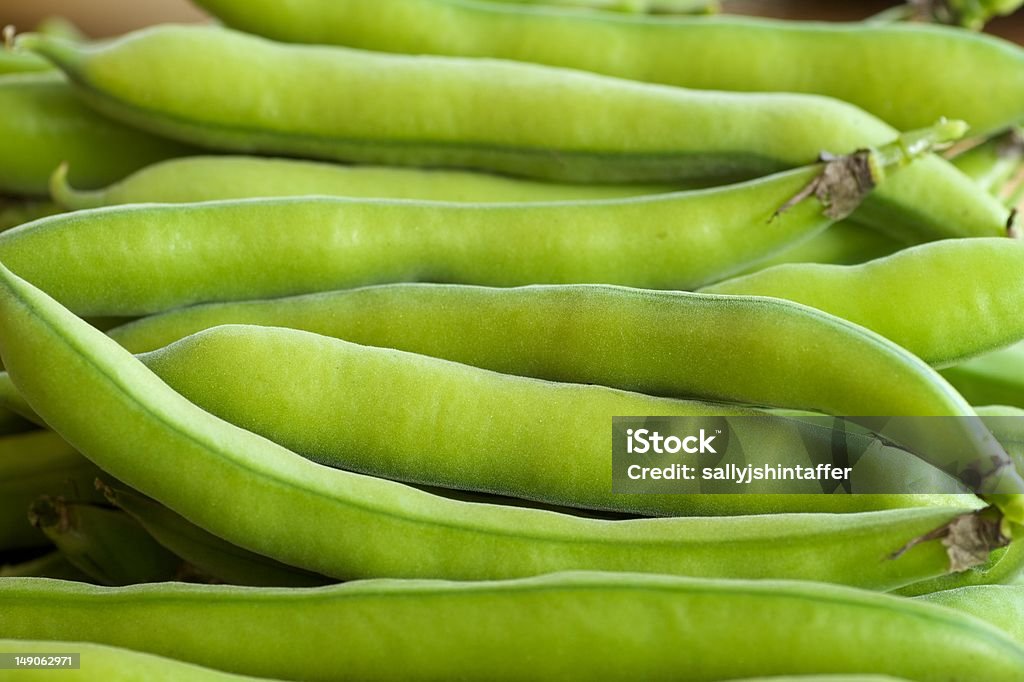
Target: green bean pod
[45,124]
[589,334]
[33,464]
[931,299]
[638,6]
[1005,565]
[906,74]
[609,627]
[275,247]
[115,261]
[210,555]
[252,95]
[110,664]
[309,393]
[996,378]
[1000,605]
[209,178]
[105,544]
[875,468]
[80,381]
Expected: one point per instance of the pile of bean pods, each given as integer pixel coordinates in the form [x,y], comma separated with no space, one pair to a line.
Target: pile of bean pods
[314,321]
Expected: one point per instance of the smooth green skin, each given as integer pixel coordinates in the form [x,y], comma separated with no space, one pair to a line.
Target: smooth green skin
[995,378]
[845,243]
[209,178]
[53,565]
[908,75]
[567,626]
[33,464]
[875,464]
[209,554]
[80,381]
[118,260]
[250,94]
[944,301]
[642,6]
[110,664]
[1000,605]
[804,359]
[45,124]
[107,545]
[309,393]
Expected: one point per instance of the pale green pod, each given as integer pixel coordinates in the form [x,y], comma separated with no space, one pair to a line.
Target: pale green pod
[906,74]
[944,301]
[567,626]
[45,124]
[461,427]
[209,178]
[246,94]
[180,455]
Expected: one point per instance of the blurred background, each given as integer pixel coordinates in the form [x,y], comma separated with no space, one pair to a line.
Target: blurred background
[109,17]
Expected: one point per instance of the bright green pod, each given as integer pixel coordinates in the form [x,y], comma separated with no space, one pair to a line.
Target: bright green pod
[209,178]
[80,381]
[906,74]
[1000,605]
[110,664]
[309,393]
[44,124]
[106,544]
[996,378]
[567,626]
[115,260]
[876,467]
[207,553]
[32,464]
[930,299]
[590,334]
[252,95]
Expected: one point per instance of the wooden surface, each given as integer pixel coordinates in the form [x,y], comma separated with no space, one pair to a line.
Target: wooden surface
[100,18]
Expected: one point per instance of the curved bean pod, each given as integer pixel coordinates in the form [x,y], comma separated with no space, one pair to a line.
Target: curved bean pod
[881,465]
[996,378]
[20,211]
[917,72]
[929,299]
[311,397]
[115,261]
[45,124]
[508,117]
[105,544]
[589,334]
[206,552]
[33,464]
[431,630]
[110,664]
[209,178]
[373,527]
